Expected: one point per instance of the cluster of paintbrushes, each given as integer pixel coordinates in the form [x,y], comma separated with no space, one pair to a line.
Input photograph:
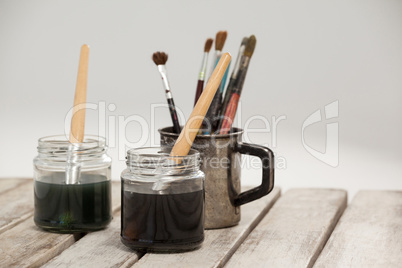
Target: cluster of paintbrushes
[223,107]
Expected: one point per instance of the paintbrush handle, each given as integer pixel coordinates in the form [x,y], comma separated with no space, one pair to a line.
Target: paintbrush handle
[173,115]
[78,119]
[200,87]
[226,99]
[224,79]
[230,114]
[230,110]
[211,118]
[241,77]
[190,130]
[169,98]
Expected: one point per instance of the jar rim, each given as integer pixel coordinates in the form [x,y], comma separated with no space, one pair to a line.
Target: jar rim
[57,151]
[89,141]
[159,152]
[156,161]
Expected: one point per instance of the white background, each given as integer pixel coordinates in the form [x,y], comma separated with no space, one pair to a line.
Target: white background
[308,54]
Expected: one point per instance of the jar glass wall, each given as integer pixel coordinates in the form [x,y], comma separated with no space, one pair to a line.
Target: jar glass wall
[72,185]
[162,201]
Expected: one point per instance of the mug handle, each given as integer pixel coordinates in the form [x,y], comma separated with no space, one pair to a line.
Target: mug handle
[267,159]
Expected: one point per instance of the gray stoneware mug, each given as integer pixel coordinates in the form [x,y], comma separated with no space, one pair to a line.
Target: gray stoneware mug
[221,163]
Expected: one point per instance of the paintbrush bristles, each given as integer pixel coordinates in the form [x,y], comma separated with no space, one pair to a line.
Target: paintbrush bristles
[220,40]
[250,46]
[208,45]
[160,58]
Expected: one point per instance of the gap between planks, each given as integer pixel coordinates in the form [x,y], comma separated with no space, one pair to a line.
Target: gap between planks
[16,203]
[26,245]
[99,249]
[369,233]
[294,231]
[9,184]
[219,244]
[104,248]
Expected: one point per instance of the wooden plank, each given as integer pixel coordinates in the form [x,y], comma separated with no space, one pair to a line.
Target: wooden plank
[219,244]
[26,245]
[99,249]
[294,231]
[16,205]
[8,184]
[116,196]
[369,234]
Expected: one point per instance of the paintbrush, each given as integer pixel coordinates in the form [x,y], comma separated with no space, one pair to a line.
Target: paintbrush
[190,130]
[201,76]
[160,59]
[211,119]
[229,89]
[220,40]
[230,111]
[78,119]
[225,76]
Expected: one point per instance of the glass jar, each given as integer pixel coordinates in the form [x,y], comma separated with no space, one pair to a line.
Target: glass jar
[162,203]
[72,186]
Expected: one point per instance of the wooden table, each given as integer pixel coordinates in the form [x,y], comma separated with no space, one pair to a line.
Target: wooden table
[301,228]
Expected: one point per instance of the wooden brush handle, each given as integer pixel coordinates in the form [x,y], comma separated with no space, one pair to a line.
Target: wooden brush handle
[190,130]
[78,119]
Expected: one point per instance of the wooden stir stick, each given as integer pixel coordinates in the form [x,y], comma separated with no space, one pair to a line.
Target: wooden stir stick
[190,130]
[78,119]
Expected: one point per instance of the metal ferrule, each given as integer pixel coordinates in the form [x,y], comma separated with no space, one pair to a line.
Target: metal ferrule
[163,72]
[218,54]
[215,61]
[242,74]
[73,168]
[237,64]
[203,67]
[245,60]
